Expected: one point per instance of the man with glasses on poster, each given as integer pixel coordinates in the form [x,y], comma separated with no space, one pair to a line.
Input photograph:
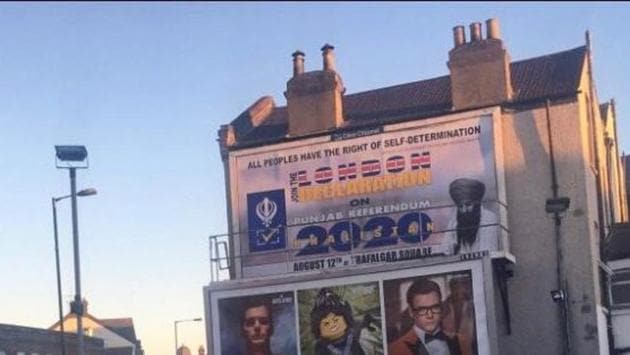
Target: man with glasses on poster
[426,337]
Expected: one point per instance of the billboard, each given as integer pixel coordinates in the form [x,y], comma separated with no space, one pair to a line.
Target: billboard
[399,192]
[415,310]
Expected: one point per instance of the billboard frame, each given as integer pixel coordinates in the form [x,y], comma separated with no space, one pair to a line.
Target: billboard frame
[237,252]
[481,273]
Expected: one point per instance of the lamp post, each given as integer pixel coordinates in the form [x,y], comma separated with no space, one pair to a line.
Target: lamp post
[74,157]
[182,321]
[86,192]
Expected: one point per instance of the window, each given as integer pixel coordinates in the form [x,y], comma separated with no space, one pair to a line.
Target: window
[620,288]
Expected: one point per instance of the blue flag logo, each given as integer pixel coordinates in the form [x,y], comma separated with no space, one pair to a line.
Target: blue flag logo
[267,219]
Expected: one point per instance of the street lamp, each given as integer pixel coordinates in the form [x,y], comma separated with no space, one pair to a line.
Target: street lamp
[73,157]
[182,321]
[86,192]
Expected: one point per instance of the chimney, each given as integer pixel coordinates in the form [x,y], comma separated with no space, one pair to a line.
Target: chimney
[298,63]
[183,350]
[459,35]
[480,69]
[492,29]
[329,57]
[314,99]
[475,32]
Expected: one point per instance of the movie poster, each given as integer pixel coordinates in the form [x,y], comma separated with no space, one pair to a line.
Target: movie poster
[341,320]
[441,307]
[431,314]
[261,324]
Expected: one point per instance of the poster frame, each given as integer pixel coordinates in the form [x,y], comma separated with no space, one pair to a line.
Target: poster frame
[481,274]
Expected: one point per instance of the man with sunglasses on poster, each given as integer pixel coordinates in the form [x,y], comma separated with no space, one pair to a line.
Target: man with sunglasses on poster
[426,337]
[257,327]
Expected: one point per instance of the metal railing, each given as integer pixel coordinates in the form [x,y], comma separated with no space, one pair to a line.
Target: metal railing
[220,261]
[223,260]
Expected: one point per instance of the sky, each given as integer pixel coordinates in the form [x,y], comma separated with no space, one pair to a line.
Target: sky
[145,86]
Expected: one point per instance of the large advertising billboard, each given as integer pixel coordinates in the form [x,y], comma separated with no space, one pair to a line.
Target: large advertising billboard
[381,195]
[430,310]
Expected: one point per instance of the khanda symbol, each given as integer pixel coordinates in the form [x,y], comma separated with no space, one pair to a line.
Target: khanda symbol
[266,210]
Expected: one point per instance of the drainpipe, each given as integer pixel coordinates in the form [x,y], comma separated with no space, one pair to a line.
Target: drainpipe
[620,181]
[609,143]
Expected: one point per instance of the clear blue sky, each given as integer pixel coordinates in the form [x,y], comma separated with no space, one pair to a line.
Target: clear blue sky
[145,87]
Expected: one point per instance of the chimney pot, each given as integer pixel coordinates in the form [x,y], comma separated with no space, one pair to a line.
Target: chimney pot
[298,63]
[480,72]
[329,57]
[492,29]
[475,31]
[459,36]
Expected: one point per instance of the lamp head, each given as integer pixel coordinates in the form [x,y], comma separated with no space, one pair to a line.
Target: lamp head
[72,156]
[87,192]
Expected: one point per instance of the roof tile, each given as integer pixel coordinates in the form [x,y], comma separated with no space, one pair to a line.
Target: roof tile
[537,78]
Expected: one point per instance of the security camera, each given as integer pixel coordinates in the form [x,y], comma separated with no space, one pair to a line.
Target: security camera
[558,295]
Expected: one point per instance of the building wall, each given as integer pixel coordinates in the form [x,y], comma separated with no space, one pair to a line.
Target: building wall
[532,232]
[537,322]
[614,168]
[92,328]
[532,243]
[29,341]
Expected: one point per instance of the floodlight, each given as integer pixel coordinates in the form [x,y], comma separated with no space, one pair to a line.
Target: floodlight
[557,205]
[87,192]
[71,152]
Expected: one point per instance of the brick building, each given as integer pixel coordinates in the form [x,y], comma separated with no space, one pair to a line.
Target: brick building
[118,334]
[17,340]
[316,186]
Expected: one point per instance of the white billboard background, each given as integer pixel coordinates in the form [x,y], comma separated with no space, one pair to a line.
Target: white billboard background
[270,168]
